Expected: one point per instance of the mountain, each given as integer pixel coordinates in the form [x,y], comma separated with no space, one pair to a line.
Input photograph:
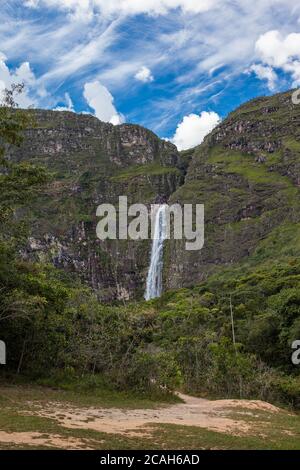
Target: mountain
[246,173]
[94,163]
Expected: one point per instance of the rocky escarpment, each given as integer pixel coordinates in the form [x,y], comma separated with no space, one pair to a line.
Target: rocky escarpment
[93,163]
[247,174]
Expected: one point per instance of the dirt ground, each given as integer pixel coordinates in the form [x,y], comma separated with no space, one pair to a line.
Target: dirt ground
[42,439]
[223,416]
[193,412]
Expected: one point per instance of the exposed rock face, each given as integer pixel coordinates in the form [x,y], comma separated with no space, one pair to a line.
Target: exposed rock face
[246,173]
[95,163]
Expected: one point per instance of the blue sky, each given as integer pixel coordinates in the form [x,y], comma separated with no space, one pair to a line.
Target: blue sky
[174,66]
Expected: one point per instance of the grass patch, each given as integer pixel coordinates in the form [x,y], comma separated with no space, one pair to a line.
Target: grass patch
[292,144]
[81,392]
[245,166]
[152,169]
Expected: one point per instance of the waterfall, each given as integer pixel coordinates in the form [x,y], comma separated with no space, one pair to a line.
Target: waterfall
[154,278]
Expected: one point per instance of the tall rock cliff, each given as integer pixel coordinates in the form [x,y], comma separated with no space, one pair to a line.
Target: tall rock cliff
[246,173]
[94,163]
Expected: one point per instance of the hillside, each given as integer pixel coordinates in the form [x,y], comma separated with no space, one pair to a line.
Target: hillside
[93,163]
[246,172]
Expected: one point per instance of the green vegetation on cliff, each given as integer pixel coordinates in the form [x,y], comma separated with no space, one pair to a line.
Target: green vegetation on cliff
[247,174]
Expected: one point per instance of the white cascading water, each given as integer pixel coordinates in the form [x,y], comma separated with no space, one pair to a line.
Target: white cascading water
[154,278]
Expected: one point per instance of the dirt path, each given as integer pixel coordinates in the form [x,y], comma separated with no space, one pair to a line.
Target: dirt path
[213,415]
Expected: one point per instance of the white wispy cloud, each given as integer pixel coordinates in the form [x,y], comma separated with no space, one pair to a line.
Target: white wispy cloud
[82,55]
[265,72]
[87,8]
[198,45]
[69,106]
[31,3]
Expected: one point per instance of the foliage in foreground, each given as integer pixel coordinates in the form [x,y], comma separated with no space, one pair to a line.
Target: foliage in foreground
[183,339]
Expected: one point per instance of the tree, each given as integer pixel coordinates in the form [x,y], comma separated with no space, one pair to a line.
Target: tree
[19,181]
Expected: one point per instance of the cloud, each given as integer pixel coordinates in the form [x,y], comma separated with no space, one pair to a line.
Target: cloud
[81,10]
[196,49]
[81,54]
[265,72]
[279,52]
[276,50]
[101,101]
[69,104]
[31,3]
[144,75]
[22,74]
[86,9]
[193,128]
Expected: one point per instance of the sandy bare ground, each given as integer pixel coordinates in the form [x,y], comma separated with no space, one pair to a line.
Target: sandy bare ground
[42,439]
[212,415]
